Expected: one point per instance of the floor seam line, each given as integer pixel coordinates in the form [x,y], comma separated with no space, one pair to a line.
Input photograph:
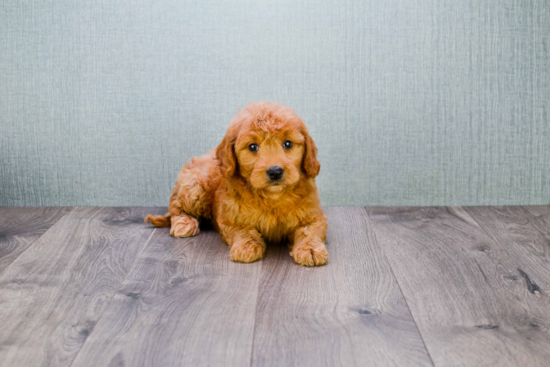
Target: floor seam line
[485,231]
[399,286]
[33,242]
[256,314]
[114,294]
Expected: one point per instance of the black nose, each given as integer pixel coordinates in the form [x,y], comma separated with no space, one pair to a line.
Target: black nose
[275,173]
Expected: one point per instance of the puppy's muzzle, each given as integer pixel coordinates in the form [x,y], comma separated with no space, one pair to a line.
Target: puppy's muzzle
[275,173]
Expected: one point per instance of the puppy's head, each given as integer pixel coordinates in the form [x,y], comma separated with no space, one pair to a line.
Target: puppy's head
[269,146]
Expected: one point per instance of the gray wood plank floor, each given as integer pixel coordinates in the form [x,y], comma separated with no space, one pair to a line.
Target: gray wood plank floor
[464,289]
[350,313]
[403,286]
[54,293]
[183,304]
[20,227]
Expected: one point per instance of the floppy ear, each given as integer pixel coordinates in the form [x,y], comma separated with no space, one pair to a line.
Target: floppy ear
[225,152]
[310,164]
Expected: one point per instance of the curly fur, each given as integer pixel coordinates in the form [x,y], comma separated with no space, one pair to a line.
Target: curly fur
[230,187]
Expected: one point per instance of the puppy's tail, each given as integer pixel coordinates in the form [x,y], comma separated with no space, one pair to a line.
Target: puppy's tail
[159,220]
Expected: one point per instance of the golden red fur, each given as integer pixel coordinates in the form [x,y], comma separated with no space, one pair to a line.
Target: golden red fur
[237,186]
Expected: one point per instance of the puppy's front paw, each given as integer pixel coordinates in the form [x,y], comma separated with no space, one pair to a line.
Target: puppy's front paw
[310,254]
[185,226]
[246,251]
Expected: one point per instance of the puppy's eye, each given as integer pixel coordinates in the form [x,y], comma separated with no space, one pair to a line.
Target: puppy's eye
[287,144]
[253,147]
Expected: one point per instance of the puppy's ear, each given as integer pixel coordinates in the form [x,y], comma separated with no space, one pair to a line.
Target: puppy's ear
[310,164]
[225,152]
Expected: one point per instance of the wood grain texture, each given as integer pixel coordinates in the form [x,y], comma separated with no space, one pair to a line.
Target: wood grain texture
[20,227]
[464,290]
[52,295]
[183,304]
[347,313]
[524,232]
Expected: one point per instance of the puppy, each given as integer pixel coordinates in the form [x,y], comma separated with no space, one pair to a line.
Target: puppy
[257,186]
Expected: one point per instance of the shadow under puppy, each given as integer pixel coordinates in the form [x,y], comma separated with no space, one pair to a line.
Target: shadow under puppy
[257,186]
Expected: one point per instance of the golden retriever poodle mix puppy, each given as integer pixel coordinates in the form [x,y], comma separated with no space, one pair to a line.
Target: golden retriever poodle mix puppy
[257,187]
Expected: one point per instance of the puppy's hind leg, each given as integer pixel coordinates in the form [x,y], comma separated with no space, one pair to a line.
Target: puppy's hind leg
[188,202]
[184,225]
[190,199]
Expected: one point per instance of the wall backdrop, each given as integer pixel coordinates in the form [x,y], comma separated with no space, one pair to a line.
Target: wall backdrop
[411,102]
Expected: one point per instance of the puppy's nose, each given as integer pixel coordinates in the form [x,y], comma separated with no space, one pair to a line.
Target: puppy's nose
[275,173]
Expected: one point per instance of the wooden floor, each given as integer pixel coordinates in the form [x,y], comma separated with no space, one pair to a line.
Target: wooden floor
[443,286]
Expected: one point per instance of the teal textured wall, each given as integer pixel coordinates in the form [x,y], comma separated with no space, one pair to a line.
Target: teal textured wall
[410,102]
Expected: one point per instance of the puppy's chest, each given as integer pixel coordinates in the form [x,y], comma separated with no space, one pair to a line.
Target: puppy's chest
[273,222]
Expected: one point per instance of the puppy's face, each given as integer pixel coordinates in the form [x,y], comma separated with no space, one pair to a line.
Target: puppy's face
[269,146]
[270,159]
